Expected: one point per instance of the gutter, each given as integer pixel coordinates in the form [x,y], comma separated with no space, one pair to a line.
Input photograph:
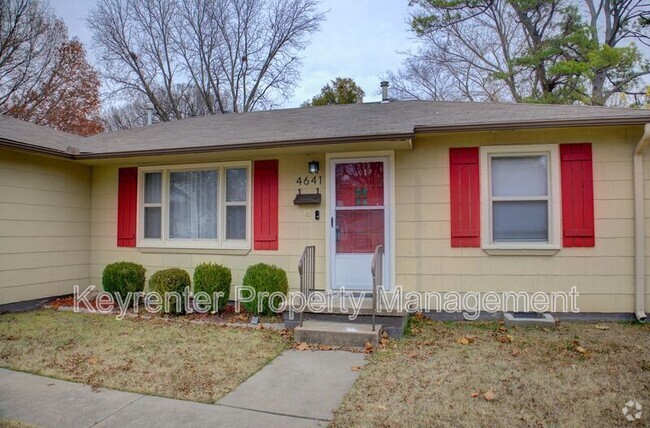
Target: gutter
[17,145]
[533,124]
[639,227]
[264,145]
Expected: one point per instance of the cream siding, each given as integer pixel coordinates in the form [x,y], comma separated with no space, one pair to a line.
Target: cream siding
[602,275]
[44,226]
[297,228]
[425,260]
[54,235]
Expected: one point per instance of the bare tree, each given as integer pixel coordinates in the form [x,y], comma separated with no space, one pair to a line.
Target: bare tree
[217,55]
[135,52]
[126,115]
[517,50]
[133,113]
[457,62]
[30,38]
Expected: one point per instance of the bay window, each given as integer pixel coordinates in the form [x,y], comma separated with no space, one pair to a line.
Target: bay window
[197,206]
[520,190]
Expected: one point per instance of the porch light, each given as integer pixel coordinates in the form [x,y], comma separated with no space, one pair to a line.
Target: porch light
[313,167]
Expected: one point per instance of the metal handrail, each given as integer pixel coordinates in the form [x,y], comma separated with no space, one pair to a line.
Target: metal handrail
[377,271]
[307,272]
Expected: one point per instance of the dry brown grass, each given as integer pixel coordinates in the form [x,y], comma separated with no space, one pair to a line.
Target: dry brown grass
[176,359]
[576,375]
[8,423]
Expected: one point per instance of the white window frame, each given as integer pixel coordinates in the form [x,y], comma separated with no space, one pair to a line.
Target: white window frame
[554,201]
[221,242]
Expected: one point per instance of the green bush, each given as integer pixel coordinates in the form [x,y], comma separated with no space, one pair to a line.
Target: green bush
[265,278]
[168,281]
[123,277]
[212,278]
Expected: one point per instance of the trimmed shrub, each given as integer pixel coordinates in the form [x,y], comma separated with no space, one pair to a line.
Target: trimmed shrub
[213,278]
[123,277]
[170,281]
[265,278]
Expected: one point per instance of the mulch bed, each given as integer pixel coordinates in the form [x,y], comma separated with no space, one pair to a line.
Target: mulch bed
[227,315]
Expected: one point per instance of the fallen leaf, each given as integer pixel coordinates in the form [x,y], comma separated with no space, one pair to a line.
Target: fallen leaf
[510,337]
[602,327]
[324,347]
[503,329]
[92,360]
[474,394]
[412,355]
[505,338]
[515,352]
[580,349]
[356,368]
[419,316]
[368,349]
[490,395]
[465,340]
[302,346]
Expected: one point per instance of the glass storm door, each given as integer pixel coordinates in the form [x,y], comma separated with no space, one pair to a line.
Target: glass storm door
[358,221]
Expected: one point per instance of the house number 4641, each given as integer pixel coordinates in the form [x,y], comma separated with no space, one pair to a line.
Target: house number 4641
[316,180]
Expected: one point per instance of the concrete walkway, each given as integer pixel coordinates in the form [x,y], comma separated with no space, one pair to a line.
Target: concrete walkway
[297,389]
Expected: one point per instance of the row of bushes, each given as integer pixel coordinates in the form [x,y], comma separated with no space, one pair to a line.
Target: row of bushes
[125,277]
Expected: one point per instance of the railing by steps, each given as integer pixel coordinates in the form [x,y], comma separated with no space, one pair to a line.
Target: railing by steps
[307,272]
[377,270]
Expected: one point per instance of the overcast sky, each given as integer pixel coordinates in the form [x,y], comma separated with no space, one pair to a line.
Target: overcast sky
[360,39]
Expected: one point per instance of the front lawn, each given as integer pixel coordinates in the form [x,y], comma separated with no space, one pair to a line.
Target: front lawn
[171,358]
[479,374]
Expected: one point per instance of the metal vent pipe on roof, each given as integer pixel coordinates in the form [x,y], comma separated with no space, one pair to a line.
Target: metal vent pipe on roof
[149,113]
[384,92]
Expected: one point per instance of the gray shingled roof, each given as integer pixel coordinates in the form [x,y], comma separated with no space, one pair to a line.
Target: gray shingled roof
[338,122]
[22,133]
[351,122]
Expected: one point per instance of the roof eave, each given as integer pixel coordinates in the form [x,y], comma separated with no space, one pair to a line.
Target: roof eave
[17,145]
[534,124]
[248,146]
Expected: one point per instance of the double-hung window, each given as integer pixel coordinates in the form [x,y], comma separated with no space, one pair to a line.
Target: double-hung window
[196,206]
[520,190]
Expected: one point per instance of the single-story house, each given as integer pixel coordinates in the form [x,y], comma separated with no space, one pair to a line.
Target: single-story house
[462,196]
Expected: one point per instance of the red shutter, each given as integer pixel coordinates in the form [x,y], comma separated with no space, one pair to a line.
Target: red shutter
[265,205]
[465,197]
[127,211]
[577,195]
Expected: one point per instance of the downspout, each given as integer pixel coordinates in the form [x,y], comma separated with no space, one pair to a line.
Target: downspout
[639,227]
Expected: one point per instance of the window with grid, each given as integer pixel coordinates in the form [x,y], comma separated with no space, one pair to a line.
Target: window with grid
[205,206]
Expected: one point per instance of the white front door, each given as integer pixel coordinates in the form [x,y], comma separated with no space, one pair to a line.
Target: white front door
[359,220]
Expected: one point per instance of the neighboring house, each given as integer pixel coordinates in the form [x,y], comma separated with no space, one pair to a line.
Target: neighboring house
[463,196]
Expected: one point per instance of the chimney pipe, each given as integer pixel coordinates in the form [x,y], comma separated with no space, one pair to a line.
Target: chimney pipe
[384,92]
[149,113]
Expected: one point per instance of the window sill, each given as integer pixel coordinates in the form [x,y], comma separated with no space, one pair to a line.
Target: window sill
[521,250]
[223,251]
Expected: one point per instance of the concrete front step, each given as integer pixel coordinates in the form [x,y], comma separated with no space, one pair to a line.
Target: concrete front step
[394,325]
[327,302]
[337,333]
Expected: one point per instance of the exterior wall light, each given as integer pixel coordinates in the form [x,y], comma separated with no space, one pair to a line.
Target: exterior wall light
[313,167]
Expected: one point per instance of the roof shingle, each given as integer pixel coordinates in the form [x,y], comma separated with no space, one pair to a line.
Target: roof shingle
[351,122]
